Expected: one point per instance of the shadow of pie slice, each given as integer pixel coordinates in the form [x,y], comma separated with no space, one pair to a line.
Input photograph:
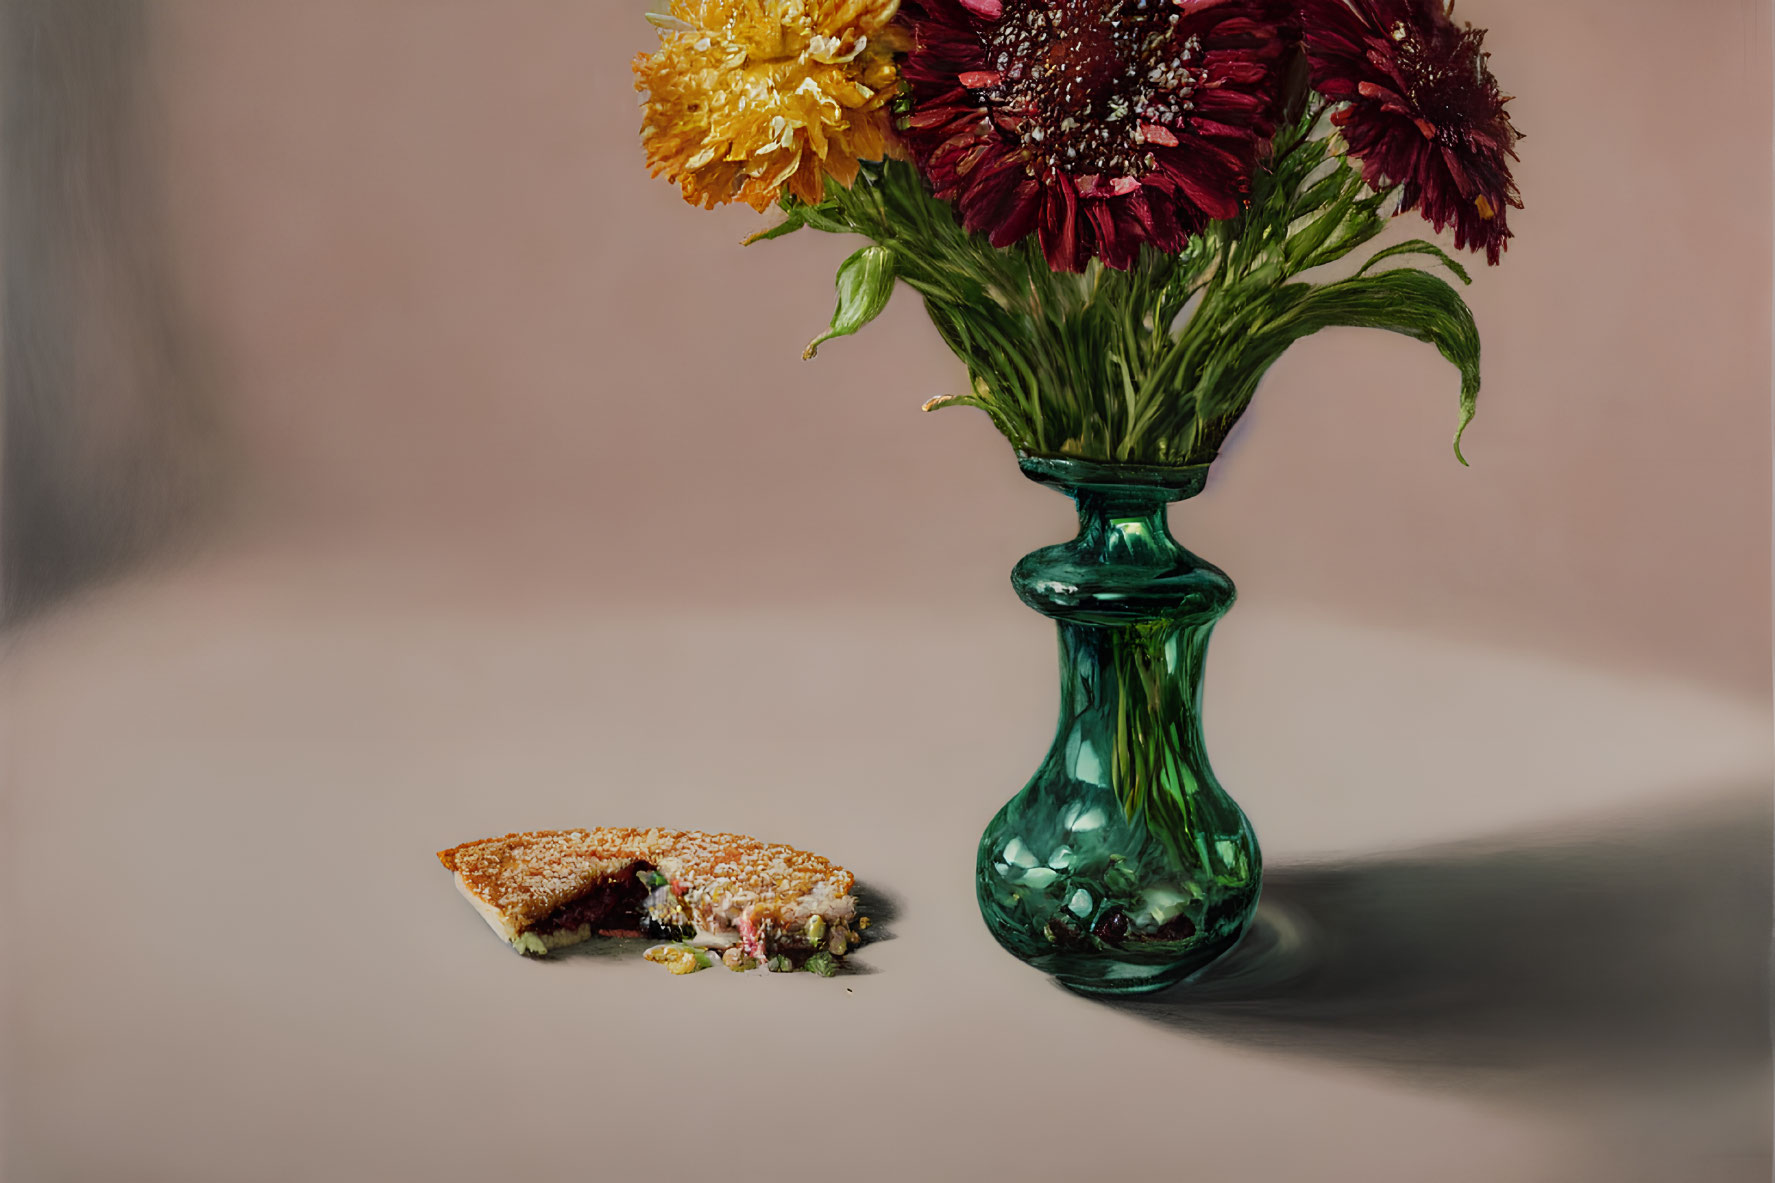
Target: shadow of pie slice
[712,897]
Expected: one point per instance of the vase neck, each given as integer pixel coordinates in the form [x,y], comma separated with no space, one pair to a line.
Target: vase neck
[1123,526]
[1124,567]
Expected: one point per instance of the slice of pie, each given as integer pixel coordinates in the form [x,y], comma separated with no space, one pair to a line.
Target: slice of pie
[546,889]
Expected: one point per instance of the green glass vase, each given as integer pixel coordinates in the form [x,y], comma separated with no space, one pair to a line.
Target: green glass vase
[1122,867]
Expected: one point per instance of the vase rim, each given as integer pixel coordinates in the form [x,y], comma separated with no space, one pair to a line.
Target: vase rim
[1175,481]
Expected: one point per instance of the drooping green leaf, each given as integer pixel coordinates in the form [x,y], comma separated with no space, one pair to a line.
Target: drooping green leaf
[993,413]
[865,281]
[1418,246]
[1406,301]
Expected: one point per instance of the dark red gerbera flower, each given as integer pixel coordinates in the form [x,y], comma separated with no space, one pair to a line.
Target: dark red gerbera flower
[1423,112]
[1096,124]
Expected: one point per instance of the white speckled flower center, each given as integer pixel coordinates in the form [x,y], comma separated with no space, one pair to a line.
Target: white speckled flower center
[1091,84]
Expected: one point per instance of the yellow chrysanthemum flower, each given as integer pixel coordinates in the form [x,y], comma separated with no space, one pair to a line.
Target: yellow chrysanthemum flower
[748,97]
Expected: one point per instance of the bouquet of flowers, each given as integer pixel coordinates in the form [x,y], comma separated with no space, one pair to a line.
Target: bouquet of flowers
[1119,213]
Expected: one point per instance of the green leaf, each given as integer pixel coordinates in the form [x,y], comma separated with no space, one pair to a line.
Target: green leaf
[829,217]
[865,281]
[1333,187]
[822,963]
[1361,225]
[1303,243]
[1406,301]
[796,218]
[1418,246]
[951,400]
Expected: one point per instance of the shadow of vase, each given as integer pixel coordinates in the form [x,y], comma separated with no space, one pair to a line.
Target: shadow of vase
[1623,955]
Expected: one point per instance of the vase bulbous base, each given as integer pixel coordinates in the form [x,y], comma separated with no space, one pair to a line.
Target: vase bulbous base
[1070,889]
[1089,966]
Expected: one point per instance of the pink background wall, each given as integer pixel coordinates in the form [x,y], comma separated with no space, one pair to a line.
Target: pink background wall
[451,315]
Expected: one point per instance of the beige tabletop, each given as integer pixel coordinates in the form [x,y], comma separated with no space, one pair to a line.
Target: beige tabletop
[1513,925]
